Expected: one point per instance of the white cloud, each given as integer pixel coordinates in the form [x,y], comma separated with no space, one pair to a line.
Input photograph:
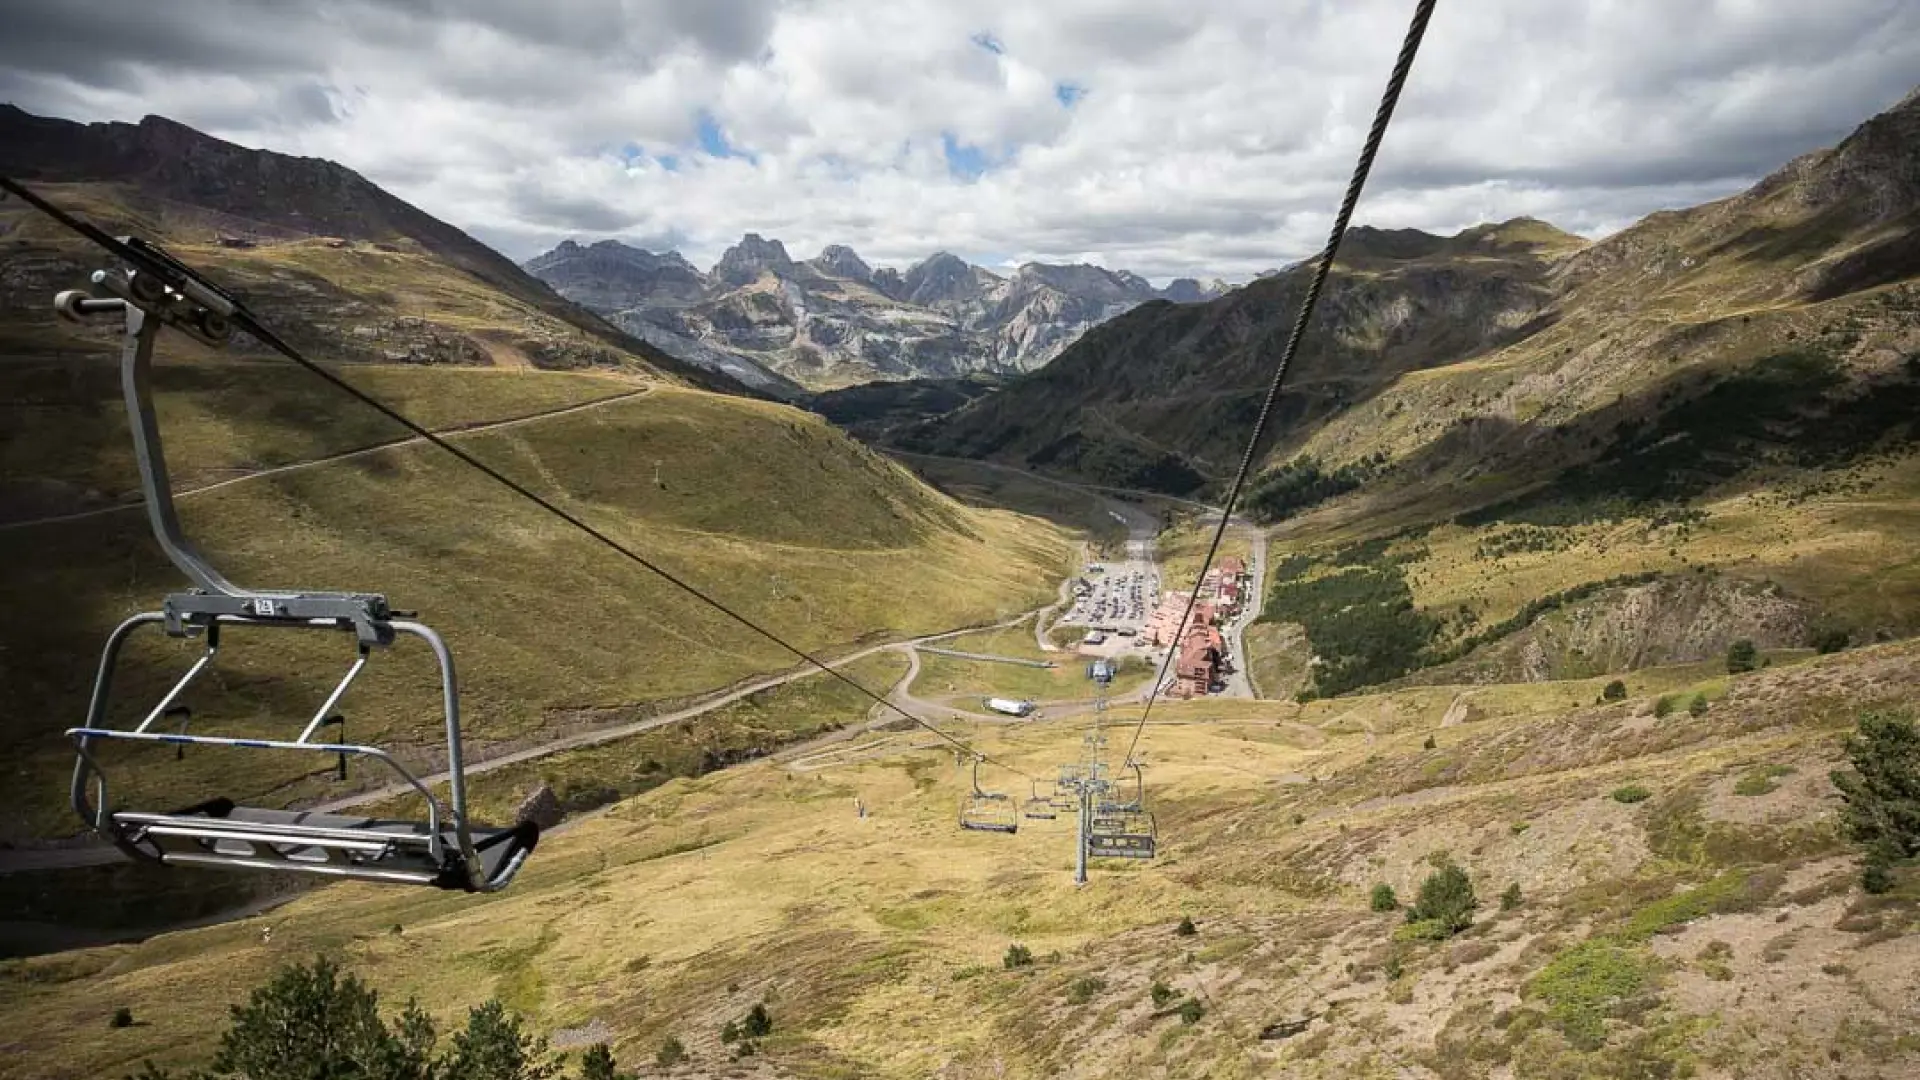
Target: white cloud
[1203,136]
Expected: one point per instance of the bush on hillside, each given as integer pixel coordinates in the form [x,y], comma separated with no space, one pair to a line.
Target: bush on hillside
[1162,994]
[1186,927]
[314,1021]
[1831,641]
[1663,705]
[1446,900]
[1383,898]
[1083,989]
[1698,706]
[1191,1011]
[1615,691]
[1742,656]
[758,1023]
[1882,792]
[1018,956]
[1510,899]
[122,1018]
[597,1064]
[1631,793]
[672,1052]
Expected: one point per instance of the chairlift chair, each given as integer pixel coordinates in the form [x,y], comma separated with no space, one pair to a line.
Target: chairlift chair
[1124,828]
[1039,807]
[988,811]
[446,851]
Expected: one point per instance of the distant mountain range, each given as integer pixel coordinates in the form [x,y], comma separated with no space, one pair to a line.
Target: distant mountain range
[831,321]
[1508,355]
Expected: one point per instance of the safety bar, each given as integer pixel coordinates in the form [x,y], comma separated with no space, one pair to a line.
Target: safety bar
[94,809]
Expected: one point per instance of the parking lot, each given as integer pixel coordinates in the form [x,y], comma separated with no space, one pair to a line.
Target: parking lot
[1115,597]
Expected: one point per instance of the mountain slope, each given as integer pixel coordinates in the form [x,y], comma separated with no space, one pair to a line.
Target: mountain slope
[302,239]
[833,320]
[285,482]
[1515,327]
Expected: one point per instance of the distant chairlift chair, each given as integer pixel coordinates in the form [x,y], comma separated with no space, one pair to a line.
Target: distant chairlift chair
[446,851]
[1124,828]
[1040,807]
[988,811]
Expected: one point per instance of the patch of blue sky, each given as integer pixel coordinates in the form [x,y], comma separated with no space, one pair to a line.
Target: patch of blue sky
[963,159]
[714,141]
[1068,94]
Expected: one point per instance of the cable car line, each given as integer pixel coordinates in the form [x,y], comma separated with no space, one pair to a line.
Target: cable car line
[1382,117]
[145,257]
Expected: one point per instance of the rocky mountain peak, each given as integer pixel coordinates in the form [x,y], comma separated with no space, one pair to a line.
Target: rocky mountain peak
[744,262]
[944,280]
[840,260]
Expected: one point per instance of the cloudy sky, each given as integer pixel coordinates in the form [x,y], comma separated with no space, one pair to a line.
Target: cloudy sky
[1171,137]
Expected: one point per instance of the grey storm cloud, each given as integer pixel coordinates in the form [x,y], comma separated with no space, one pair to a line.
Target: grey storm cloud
[1171,137]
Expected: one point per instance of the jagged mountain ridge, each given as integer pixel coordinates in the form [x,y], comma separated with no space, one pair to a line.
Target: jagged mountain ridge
[298,236]
[834,320]
[1508,350]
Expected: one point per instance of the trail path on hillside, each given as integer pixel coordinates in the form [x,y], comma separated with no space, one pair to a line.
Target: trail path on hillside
[345,455]
[1143,526]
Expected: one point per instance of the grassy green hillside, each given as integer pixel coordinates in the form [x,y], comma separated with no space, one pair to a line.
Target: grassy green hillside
[767,507]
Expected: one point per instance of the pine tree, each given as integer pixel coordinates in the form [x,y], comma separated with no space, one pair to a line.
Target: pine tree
[1882,792]
[313,1023]
[493,1047]
[1446,899]
[597,1063]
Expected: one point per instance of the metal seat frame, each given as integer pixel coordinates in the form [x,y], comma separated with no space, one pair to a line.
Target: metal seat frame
[1040,808]
[983,811]
[1124,828]
[443,851]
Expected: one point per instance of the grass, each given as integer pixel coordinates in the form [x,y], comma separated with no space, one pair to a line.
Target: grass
[765,507]
[681,906]
[952,677]
[1761,780]
[1182,546]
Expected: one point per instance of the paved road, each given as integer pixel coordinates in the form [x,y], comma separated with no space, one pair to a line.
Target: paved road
[1240,682]
[348,455]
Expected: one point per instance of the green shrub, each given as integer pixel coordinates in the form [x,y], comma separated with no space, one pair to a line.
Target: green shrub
[671,1053]
[122,1018]
[1615,691]
[494,1047]
[729,1033]
[1186,927]
[1760,781]
[757,1024]
[1882,792]
[1698,706]
[1383,898]
[1663,706]
[1446,898]
[1162,994]
[1191,1011]
[1831,641]
[1583,985]
[1430,744]
[1510,899]
[1018,956]
[1742,656]
[314,1020]
[597,1063]
[1083,989]
[1631,793]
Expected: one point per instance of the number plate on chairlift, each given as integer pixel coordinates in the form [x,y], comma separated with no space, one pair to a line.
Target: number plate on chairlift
[1122,846]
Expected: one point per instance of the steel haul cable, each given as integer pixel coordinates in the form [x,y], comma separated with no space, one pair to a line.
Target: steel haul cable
[1383,116]
[244,319]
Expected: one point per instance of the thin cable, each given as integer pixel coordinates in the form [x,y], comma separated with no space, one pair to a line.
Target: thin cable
[1383,116]
[245,320]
